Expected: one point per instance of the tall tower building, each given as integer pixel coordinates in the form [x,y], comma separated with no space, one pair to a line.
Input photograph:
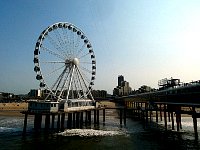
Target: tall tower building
[120,80]
[122,87]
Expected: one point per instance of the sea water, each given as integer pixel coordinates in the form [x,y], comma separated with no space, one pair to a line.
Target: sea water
[111,136]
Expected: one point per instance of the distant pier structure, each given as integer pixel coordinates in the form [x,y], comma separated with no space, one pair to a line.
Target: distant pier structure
[173,99]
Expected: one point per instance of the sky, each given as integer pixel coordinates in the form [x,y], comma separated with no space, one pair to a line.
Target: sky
[145,41]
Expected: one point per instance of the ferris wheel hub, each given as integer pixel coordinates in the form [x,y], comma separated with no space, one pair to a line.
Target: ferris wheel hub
[75,61]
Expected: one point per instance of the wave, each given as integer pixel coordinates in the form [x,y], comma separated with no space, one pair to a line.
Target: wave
[89,132]
[7,129]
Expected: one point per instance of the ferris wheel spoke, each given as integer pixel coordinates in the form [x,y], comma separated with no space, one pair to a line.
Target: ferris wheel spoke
[58,81]
[71,48]
[79,82]
[85,69]
[55,70]
[82,62]
[52,62]
[83,75]
[52,52]
[65,81]
[60,41]
[56,45]
[70,81]
[77,45]
[84,80]
[84,55]
[65,40]
[81,50]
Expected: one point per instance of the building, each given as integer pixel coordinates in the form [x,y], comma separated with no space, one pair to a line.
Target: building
[123,87]
[120,80]
[99,94]
[35,93]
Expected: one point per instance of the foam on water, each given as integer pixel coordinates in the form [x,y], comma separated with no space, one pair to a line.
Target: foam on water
[89,132]
[6,129]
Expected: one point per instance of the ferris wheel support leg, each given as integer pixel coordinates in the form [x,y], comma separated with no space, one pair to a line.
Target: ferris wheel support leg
[70,82]
[85,84]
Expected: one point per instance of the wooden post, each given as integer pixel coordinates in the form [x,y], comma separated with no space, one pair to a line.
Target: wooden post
[37,121]
[180,121]
[69,121]
[165,116]
[146,110]
[62,121]
[77,119]
[58,122]
[156,115]
[25,124]
[120,116]
[95,115]
[74,120]
[86,118]
[172,118]
[81,120]
[194,122]
[89,117]
[177,121]
[52,122]
[124,116]
[160,112]
[47,121]
[98,117]
[104,114]
[169,116]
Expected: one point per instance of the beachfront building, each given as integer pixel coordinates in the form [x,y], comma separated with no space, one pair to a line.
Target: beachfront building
[123,87]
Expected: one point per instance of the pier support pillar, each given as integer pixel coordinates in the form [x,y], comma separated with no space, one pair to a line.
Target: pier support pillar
[160,112]
[52,121]
[120,116]
[178,121]
[74,120]
[104,114]
[81,120]
[146,110]
[69,121]
[195,122]
[97,116]
[169,116]
[124,116]
[37,121]
[77,119]
[156,115]
[62,121]
[89,117]
[25,123]
[165,116]
[47,122]
[58,123]
[172,118]
[86,118]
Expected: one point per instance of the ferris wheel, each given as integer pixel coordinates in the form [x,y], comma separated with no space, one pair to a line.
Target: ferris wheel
[64,62]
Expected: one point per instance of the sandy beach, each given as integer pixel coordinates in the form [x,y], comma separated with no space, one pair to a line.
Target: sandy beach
[12,109]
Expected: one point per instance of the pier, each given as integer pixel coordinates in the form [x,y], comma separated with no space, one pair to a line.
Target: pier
[64,120]
[166,104]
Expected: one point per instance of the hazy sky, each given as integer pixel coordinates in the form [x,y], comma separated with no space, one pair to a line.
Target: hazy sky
[144,40]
